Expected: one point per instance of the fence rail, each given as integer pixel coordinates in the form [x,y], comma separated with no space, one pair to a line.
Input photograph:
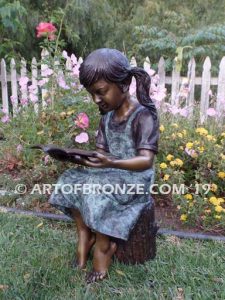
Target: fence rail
[10,84]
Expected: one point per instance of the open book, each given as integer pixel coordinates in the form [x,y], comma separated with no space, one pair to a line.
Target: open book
[66,154]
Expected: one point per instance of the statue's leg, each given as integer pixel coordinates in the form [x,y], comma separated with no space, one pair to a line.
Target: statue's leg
[104,250]
[86,239]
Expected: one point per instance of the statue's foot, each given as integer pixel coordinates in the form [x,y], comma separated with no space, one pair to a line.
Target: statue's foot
[85,244]
[101,263]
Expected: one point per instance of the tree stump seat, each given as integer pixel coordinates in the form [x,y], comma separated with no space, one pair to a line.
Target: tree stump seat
[141,245]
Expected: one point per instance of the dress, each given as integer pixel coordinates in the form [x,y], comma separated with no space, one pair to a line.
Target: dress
[113,211]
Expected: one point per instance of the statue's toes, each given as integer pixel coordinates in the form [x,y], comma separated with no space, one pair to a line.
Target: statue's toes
[95,276]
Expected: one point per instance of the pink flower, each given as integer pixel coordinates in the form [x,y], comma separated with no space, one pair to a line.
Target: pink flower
[46,71]
[13,100]
[190,152]
[62,83]
[174,110]
[82,120]
[74,59]
[211,112]
[23,81]
[46,30]
[23,101]
[19,148]
[42,81]
[184,112]
[5,119]
[65,54]
[82,138]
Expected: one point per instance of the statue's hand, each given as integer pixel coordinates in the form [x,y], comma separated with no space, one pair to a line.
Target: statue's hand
[99,161]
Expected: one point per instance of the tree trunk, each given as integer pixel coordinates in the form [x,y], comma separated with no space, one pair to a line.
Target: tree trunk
[141,245]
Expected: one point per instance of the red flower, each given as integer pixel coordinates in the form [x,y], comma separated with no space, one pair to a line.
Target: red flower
[46,29]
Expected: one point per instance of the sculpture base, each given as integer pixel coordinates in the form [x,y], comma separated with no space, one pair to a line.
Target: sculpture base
[141,245]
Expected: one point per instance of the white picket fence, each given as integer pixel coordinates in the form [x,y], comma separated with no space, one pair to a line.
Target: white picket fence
[175,80]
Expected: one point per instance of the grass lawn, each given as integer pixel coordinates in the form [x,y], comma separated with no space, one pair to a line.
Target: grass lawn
[35,256]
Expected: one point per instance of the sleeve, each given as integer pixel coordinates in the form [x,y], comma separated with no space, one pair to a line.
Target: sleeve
[101,141]
[146,131]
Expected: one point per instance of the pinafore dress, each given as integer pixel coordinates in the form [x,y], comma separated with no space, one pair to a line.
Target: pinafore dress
[112,211]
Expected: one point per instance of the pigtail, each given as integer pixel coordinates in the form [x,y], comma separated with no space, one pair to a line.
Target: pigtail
[143,82]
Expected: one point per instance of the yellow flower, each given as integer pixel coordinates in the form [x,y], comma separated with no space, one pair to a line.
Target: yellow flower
[179,134]
[188,196]
[201,131]
[201,149]
[184,132]
[217,217]
[214,201]
[175,125]
[70,112]
[169,157]
[179,162]
[181,148]
[218,208]
[210,138]
[163,165]
[166,177]
[221,200]
[189,145]
[191,204]
[213,187]
[221,174]
[161,128]
[183,217]
[223,134]
[196,142]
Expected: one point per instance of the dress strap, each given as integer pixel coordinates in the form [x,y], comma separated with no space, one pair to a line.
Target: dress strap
[133,115]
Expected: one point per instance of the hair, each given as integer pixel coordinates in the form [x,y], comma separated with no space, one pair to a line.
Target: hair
[112,66]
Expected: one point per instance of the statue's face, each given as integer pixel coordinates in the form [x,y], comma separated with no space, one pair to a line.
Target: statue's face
[108,96]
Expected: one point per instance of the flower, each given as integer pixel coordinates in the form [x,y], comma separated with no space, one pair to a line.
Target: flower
[163,165]
[169,157]
[213,187]
[161,128]
[183,217]
[218,208]
[221,175]
[188,196]
[217,217]
[179,134]
[46,30]
[211,112]
[189,145]
[201,131]
[166,177]
[82,120]
[175,125]
[82,138]
[216,201]
[5,119]
[191,152]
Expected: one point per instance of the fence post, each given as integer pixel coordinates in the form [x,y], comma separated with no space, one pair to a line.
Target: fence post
[191,81]
[34,74]
[220,101]
[162,73]
[5,99]
[206,77]
[14,86]
[175,85]
[23,72]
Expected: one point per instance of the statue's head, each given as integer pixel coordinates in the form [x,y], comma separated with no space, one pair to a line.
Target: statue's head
[107,64]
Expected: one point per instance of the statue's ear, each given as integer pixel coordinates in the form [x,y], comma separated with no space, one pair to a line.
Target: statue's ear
[124,88]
